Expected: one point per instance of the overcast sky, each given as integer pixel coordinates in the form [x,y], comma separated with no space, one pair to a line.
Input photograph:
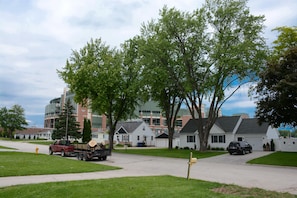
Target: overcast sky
[37,36]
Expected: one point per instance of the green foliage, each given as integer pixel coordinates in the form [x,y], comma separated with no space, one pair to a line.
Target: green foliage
[287,133]
[197,56]
[277,91]
[66,124]
[87,131]
[286,40]
[105,79]
[20,164]
[277,88]
[12,119]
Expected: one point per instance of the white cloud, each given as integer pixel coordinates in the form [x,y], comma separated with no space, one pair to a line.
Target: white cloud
[36,38]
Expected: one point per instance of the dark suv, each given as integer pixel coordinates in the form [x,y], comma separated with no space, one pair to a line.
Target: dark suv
[240,147]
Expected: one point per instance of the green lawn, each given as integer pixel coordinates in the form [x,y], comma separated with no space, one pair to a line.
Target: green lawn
[4,147]
[41,142]
[19,164]
[277,158]
[130,187]
[174,153]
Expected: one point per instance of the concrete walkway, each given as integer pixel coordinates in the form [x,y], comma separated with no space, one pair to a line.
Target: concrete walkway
[229,169]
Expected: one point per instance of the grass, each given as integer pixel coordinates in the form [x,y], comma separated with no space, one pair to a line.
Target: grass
[41,142]
[157,186]
[20,164]
[4,147]
[174,153]
[277,158]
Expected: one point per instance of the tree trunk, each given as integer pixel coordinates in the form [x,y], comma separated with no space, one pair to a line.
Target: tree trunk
[111,135]
[203,140]
[10,134]
[170,137]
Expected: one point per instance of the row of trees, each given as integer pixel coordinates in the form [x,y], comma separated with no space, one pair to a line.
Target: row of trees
[183,57]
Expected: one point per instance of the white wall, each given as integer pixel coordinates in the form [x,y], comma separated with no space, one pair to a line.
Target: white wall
[163,142]
[272,133]
[100,137]
[143,131]
[255,140]
[285,144]
[215,130]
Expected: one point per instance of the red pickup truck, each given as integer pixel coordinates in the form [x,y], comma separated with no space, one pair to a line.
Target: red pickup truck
[62,146]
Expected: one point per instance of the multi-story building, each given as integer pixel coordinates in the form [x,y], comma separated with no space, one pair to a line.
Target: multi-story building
[149,112]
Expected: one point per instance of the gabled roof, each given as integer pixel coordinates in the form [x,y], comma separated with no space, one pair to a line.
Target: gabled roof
[128,126]
[190,126]
[251,126]
[162,136]
[226,123]
[165,135]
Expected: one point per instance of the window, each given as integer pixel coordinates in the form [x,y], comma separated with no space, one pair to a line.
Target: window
[146,120]
[138,138]
[125,138]
[179,123]
[218,139]
[152,138]
[156,121]
[190,138]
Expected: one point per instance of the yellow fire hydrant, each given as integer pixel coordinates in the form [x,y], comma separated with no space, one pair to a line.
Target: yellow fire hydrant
[36,150]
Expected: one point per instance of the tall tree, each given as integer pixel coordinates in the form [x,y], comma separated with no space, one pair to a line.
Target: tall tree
[276,90]
[66,125]
[286,40]
[12,119]
[211,50]
[87,131]
[105,79]
[159,55]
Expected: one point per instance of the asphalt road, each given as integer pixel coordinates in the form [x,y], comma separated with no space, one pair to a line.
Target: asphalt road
[229,169]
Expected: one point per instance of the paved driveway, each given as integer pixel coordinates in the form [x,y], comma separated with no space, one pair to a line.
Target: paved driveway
[230,169]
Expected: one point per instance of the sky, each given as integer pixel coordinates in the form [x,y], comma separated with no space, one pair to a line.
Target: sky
[37,37]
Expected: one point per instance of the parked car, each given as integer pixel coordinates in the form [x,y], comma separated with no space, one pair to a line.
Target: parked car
[62,146]
[239,147]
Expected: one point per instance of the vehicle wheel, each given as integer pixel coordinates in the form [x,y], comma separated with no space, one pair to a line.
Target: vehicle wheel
[85,158]
[63,153]
[50,151]
[251,151]
[104,158]
[230,153]
[243,152]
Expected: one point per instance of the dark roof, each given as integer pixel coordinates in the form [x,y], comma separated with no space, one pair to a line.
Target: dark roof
[226,123]
[191,126]
[251,126]
[128,126]
[165,135]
